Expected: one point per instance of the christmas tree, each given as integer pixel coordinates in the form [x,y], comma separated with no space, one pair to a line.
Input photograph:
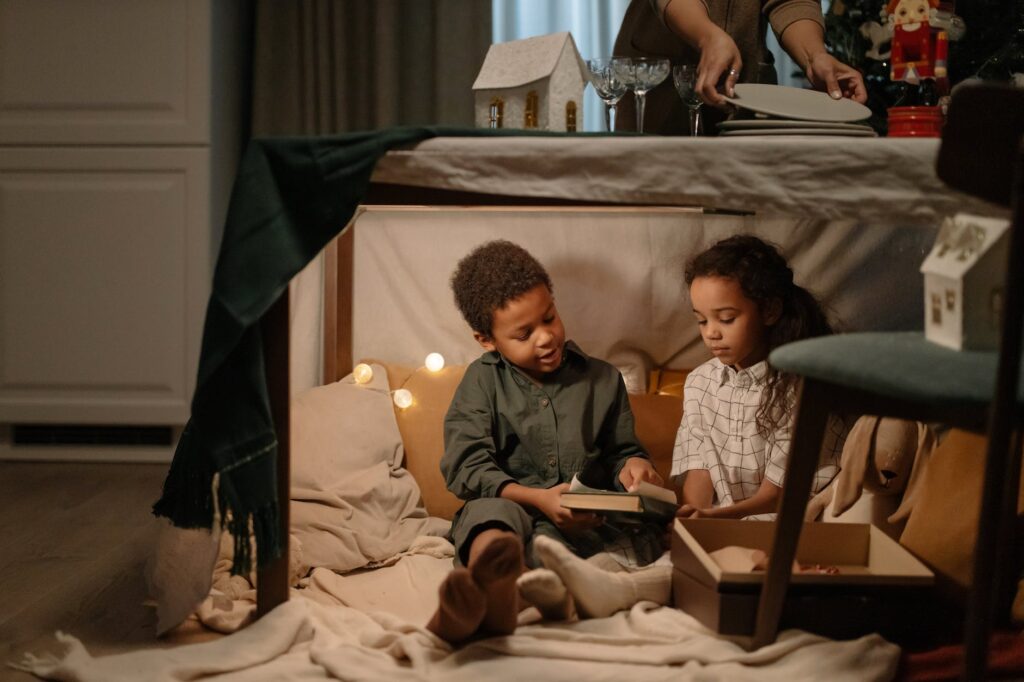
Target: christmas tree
[992,47]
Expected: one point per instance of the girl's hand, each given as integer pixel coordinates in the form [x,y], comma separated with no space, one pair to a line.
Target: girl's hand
[688,511]
[550,503]
[718,56]
[830,75]
[638,469]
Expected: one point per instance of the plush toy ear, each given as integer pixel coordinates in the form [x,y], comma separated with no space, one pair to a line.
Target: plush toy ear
[896,444]
[925,445]
[857,451]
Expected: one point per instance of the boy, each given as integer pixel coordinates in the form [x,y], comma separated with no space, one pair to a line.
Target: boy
[530,413]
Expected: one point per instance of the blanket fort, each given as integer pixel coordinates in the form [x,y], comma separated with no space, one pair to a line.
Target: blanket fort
[292,195]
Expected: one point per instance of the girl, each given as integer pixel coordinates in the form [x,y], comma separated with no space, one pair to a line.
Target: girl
[732,444]
[733,441]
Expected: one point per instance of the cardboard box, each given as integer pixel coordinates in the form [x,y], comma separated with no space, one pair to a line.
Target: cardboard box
[880,586]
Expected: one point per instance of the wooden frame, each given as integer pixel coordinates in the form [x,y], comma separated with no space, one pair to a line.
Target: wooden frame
[272,579]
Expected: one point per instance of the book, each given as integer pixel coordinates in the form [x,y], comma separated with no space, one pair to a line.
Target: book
[647,503]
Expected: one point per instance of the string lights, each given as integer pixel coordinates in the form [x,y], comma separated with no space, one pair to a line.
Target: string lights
[402,397]
[434,362]
[362,373]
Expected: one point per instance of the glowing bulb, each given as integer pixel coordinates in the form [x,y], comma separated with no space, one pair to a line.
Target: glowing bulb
[403,398]
[362,373]
[434,362]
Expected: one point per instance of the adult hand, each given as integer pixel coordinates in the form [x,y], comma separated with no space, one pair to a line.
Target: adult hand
[827,73]
[550,503]
[637,469]
[718,55]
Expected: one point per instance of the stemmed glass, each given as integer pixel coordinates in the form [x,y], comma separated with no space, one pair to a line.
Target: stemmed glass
[605,77]
[645,73]
[685,78]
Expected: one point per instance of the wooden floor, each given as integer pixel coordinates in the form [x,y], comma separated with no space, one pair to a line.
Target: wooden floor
[74,542]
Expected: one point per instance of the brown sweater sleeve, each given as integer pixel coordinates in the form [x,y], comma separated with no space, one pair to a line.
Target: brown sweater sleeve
[660,5]
[782,13]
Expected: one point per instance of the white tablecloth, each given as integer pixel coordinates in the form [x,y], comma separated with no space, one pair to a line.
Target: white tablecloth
[832,178]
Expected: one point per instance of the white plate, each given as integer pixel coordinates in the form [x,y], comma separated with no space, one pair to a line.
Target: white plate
[797,103]
[800,131]
[770,123]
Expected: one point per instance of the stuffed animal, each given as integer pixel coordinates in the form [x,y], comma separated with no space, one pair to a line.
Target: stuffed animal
[885,458]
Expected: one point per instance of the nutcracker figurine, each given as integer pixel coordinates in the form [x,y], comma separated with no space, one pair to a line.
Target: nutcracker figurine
[919,43]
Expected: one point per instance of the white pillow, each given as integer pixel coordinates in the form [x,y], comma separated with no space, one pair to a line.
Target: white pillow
[352,503]
[343,427]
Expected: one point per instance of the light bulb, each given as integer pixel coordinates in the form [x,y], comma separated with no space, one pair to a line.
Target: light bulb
[403,398]
[362,373]
[434,362]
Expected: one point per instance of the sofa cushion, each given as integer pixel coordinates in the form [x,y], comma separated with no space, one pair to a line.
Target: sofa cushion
[422,428]
[657,420]
[351,501]
[943,523]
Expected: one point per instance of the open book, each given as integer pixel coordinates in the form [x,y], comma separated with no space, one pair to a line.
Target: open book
[647,503]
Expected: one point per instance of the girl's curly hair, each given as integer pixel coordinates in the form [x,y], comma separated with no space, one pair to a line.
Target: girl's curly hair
[493,274]
[765,277]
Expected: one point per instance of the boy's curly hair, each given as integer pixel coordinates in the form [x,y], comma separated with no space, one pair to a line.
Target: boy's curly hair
[493,274]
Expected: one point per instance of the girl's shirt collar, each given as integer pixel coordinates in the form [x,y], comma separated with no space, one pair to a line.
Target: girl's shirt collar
[744,378]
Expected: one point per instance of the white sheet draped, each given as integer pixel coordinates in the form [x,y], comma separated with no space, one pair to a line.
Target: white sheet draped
[305,640]
[618,276]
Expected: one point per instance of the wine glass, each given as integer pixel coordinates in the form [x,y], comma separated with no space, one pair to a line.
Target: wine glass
[604,75]
[647,72]
[685,78]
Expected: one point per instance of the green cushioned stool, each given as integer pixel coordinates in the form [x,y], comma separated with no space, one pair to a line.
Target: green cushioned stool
[904,375]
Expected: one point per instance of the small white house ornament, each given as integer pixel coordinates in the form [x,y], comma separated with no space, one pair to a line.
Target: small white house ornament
[963,282]
[531,83]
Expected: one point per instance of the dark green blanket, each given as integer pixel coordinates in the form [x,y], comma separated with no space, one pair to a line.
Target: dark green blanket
[291,197]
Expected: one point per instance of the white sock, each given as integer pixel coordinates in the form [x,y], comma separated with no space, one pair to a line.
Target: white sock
[544,589]
[606,562]
[599,593]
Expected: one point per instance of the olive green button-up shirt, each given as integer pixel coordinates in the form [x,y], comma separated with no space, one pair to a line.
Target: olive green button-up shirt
[503,427]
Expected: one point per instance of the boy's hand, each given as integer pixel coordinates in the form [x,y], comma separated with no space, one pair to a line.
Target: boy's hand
[550,503]
[638,469]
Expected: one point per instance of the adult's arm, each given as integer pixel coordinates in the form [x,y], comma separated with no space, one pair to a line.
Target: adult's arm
[719,54]
[801,31]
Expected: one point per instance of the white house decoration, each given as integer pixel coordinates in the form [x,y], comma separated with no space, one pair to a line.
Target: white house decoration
[963,282]
[531,83]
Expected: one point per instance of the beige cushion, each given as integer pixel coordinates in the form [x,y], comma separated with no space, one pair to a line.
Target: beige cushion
[657,420]
[352,502]
[943,523]
[422,428]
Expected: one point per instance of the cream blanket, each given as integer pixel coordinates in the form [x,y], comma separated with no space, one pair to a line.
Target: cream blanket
[303,639]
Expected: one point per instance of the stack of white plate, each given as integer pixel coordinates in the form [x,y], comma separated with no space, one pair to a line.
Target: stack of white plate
[782,110]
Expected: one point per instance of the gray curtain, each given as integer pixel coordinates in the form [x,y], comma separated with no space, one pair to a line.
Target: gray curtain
[334,66]
[330,66]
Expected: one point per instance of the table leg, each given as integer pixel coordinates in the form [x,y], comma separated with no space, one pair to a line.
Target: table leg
[808,431]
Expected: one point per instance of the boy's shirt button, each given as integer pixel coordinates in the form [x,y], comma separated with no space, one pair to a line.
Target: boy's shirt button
[544,402]
[552,461]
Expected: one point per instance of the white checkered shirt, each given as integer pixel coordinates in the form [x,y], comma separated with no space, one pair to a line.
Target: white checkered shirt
[719,433]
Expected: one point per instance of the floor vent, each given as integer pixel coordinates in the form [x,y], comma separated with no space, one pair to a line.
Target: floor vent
[59,434]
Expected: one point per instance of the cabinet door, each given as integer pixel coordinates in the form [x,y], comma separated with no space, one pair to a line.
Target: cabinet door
[105,71]
[104,277]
